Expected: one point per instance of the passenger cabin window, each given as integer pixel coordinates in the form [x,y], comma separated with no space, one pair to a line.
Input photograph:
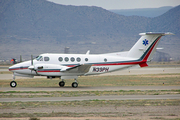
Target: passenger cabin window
[105,60]
[86,59]
[46,58]
[66,59]
[78,59]
[60,59]
[72,59]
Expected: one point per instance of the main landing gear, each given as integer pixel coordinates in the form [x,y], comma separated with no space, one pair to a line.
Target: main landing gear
[74,84]
[61,83]
[13,83]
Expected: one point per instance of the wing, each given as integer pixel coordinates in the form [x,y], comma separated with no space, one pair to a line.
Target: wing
[84,68]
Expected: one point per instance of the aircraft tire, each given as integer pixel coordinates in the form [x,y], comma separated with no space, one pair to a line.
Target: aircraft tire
[13,84]
[61,83]
[74,84]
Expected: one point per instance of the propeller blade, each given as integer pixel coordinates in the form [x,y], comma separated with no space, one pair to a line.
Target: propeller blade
[20,58]
[31,59]
[31,67]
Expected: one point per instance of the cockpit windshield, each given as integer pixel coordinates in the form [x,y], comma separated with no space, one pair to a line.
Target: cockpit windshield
[39,58]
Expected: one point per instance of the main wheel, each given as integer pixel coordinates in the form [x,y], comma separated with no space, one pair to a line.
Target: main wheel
[13,84]
[74,84]
[61,84]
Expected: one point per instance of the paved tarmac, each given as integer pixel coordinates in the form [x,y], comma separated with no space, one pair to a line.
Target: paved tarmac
[80,88]
[147,70]
[137,71]
[111,97]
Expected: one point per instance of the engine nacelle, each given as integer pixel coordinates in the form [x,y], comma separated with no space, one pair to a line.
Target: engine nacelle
[49,69]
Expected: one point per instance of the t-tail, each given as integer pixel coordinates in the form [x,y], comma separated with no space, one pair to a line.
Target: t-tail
[145,47]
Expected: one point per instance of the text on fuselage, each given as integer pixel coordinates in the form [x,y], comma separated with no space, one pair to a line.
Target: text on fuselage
[100,69]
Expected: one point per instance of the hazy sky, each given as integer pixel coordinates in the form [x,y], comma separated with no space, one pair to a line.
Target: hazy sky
[120,4]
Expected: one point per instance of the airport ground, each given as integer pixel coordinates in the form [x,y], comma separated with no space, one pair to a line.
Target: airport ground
[145,93]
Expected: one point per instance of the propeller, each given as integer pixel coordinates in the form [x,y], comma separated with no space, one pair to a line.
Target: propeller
[32,65]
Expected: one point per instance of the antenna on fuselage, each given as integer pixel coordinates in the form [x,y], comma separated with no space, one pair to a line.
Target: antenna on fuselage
[66,50]
[87,53]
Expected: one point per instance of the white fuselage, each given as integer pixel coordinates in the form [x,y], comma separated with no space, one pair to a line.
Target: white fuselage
[54,63]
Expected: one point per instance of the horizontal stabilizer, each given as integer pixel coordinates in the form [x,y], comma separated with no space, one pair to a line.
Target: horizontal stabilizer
[156,33]
[159,48]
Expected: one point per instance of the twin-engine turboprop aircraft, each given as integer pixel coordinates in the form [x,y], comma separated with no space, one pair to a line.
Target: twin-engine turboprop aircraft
[70,66]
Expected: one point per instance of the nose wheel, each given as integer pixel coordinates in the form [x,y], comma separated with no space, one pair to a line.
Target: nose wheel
[13,83]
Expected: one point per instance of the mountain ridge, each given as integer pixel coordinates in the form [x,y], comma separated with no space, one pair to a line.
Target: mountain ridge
[38,26]
[146,12]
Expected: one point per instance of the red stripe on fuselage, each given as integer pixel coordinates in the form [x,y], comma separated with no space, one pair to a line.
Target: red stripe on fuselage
[49,71]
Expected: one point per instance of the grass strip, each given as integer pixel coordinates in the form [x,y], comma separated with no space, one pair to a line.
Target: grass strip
[78,104]
[64,114]
[101,103]
[31,94]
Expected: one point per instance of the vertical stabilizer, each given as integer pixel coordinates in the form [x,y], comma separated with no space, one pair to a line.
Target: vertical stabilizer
[146,46]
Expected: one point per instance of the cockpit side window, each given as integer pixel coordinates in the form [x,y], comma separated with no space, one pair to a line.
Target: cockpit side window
[46,58]
[39,58]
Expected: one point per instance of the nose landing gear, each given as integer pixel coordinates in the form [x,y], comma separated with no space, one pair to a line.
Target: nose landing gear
[13,83]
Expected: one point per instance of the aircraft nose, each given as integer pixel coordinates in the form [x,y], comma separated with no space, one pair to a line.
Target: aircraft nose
[12,68]
[20,66]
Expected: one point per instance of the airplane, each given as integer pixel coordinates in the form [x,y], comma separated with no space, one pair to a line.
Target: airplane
[70,66]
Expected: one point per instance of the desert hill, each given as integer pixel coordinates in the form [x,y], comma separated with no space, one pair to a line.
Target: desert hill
[38,26]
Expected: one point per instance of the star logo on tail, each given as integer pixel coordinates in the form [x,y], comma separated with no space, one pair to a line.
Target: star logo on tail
[145,42]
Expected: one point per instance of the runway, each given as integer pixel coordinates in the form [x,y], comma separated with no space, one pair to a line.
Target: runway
[85,88]
[135,71]
[111,97]
[80,88]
